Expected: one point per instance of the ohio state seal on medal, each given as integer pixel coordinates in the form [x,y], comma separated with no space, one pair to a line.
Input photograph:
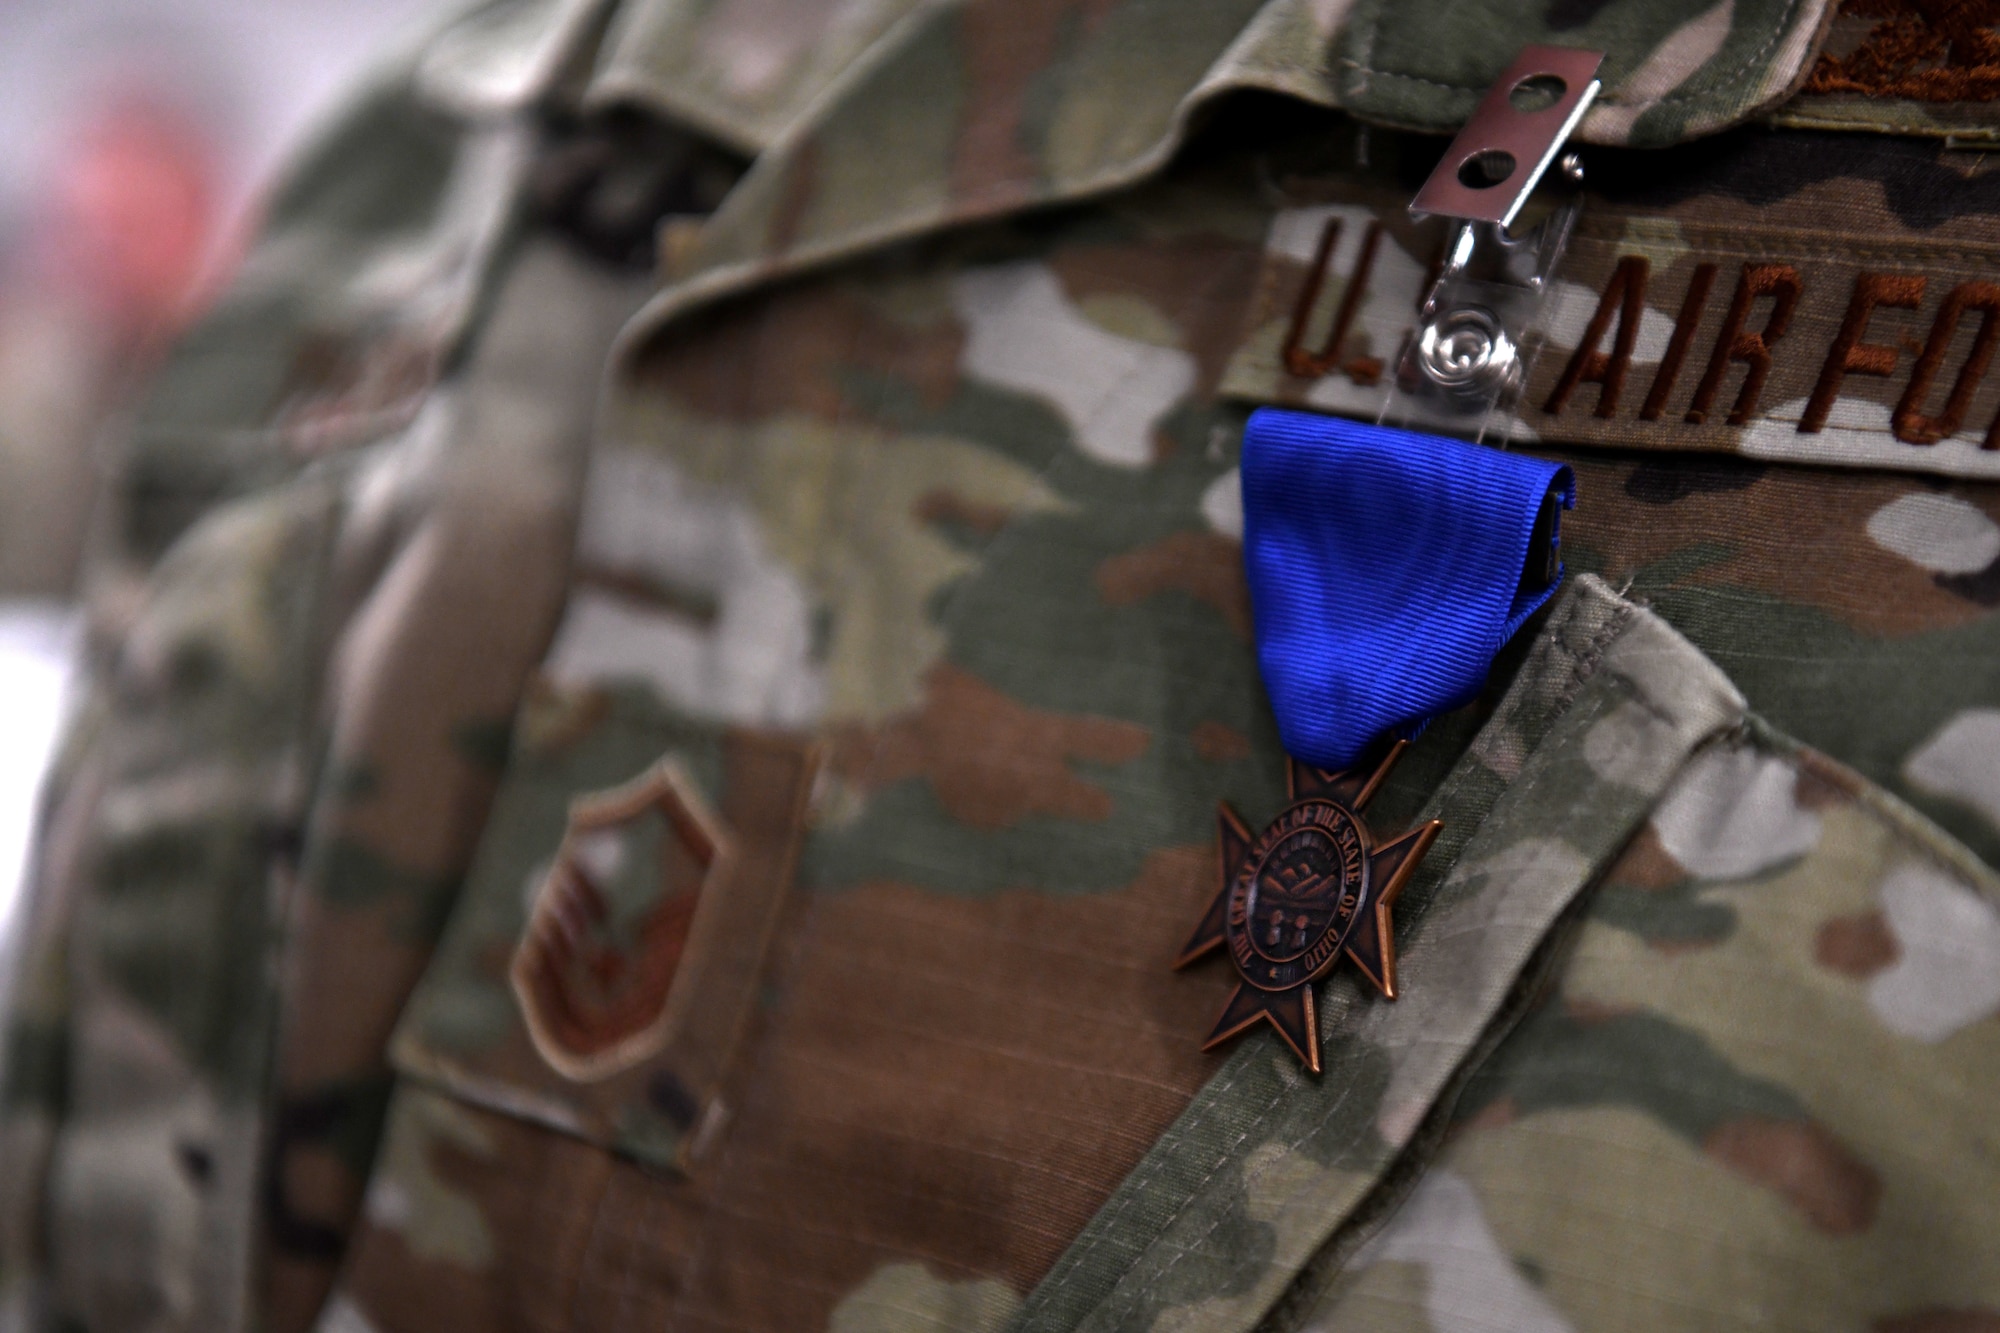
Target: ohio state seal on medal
[1313,886]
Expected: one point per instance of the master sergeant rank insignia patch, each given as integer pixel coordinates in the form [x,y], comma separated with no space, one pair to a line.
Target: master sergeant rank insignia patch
[613,916]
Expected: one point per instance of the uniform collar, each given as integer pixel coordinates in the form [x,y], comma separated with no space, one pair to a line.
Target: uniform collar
[877,121]
[963,111]
[739,71]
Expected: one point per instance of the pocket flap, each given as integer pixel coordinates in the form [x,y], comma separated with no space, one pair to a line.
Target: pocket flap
[1268,1163]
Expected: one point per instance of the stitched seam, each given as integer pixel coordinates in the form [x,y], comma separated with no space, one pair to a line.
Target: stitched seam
[1815,246]
[1911,827]
[1778,33]
[1583,664]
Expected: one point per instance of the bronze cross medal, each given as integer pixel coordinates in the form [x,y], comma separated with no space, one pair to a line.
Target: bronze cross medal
[1314,885]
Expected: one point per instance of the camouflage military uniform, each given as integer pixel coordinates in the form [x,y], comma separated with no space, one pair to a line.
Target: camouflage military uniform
[863,568]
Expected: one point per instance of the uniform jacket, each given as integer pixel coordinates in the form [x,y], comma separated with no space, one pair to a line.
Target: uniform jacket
[663,664]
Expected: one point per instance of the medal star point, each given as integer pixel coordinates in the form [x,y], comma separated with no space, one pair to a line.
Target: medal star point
[1233,839]
[1372,945]
[1290,1012]
[1367,938]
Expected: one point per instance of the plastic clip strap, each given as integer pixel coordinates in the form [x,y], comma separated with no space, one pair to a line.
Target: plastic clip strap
[1468,356]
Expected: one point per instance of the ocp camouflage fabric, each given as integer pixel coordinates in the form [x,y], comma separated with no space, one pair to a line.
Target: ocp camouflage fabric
[646,768]
[1776,1184]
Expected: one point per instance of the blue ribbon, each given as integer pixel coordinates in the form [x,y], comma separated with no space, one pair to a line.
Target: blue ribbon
[1386,569]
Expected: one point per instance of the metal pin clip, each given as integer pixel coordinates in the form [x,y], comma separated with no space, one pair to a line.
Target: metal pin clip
[1505,241]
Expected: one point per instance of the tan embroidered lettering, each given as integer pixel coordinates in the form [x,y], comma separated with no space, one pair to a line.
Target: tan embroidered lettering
[1780,282]
[1624,296]
[1849,353]
[1311,365]
[1693,306]
[1909,421]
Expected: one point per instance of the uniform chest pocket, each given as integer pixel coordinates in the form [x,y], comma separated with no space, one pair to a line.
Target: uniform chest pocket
[600,971]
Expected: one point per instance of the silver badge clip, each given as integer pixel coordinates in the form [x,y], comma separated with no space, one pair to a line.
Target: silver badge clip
[1504,242]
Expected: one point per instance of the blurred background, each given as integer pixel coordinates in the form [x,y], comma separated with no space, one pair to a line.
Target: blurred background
[136,137]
